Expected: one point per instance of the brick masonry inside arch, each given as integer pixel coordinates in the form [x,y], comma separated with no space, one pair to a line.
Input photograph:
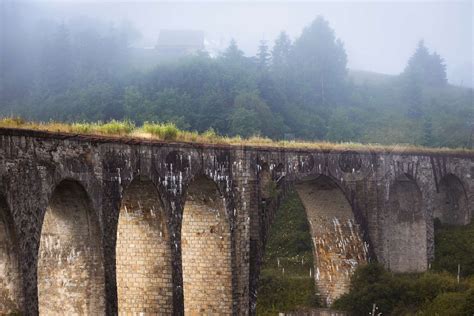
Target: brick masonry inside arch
[337,240]
[451,204]
[406,227]
[10,296]
[206,251]
[70,260]
[143,255]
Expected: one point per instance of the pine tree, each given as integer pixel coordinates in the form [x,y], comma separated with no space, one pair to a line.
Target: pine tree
[427,69]
[437,71]
[263,55]
[233,53]
[320,61]
[281,52]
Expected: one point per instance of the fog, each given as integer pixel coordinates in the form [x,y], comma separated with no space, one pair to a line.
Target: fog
[370,72]
[378,36]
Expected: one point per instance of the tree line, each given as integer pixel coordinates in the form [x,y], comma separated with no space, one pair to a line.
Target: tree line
[292,88]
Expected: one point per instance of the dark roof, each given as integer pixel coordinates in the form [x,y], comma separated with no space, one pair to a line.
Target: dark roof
[181,38]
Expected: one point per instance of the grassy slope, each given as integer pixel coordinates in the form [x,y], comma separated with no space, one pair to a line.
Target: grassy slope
[290,243]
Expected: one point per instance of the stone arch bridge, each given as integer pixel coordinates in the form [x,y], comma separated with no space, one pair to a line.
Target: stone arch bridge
[97,225]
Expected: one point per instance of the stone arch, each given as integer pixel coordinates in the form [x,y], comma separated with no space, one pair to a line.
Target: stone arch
[338,242]
[70,259]
[206,250]
[10,283]
[143,252]
[266,184]
[451,203]
[406,227]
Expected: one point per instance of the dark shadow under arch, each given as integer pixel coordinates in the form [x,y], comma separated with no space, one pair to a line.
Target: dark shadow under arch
[10,278]
[143,252]
[451,203]
[206,250]
[70,259]
[406,227]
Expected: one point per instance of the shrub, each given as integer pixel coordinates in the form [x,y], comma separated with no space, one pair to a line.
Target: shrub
[166,131]
[84,128]
[447,304]
[115,127]
[453,245]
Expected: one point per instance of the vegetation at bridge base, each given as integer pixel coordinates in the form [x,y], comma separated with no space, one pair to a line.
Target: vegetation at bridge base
[436,292]
[290,244]
[454,245]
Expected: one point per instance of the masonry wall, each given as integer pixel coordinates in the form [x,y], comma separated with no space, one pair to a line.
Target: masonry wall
[10,292]
[143,255]
[207,275]
[70,263]
[451,203]
[337,242]
[406,228]
[33,163]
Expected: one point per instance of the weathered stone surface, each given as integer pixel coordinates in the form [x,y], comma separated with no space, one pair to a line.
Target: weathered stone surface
[205,242]
[9,274]
[70,258]
[144,283]
[393,196]
[338,244]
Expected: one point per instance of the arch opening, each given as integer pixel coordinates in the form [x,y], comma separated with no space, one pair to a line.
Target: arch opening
[451,204]
[70,259]
[143,254]
[10,288]
[406,227]
[206,251]
[337,239]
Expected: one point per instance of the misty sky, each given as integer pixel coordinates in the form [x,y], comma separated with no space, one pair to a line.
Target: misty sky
[378,36]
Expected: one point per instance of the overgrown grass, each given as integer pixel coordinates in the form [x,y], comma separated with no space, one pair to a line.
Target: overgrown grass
[436,292]
[285,283]
[166,131]
[454,245]
[169,132]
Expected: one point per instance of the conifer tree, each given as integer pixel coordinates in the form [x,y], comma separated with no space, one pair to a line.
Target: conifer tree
[281,52]
[263,55]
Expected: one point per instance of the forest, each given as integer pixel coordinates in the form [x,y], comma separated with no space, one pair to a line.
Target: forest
[293,88]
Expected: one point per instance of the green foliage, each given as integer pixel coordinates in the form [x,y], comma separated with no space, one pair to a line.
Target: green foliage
[278,293]
[165,131]
[116,127]
[289,235]
[289,244]
[454,245]
[298,87]
[426,68]
[430,293]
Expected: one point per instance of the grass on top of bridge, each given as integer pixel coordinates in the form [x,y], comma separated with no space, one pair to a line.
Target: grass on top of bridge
[169,132]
